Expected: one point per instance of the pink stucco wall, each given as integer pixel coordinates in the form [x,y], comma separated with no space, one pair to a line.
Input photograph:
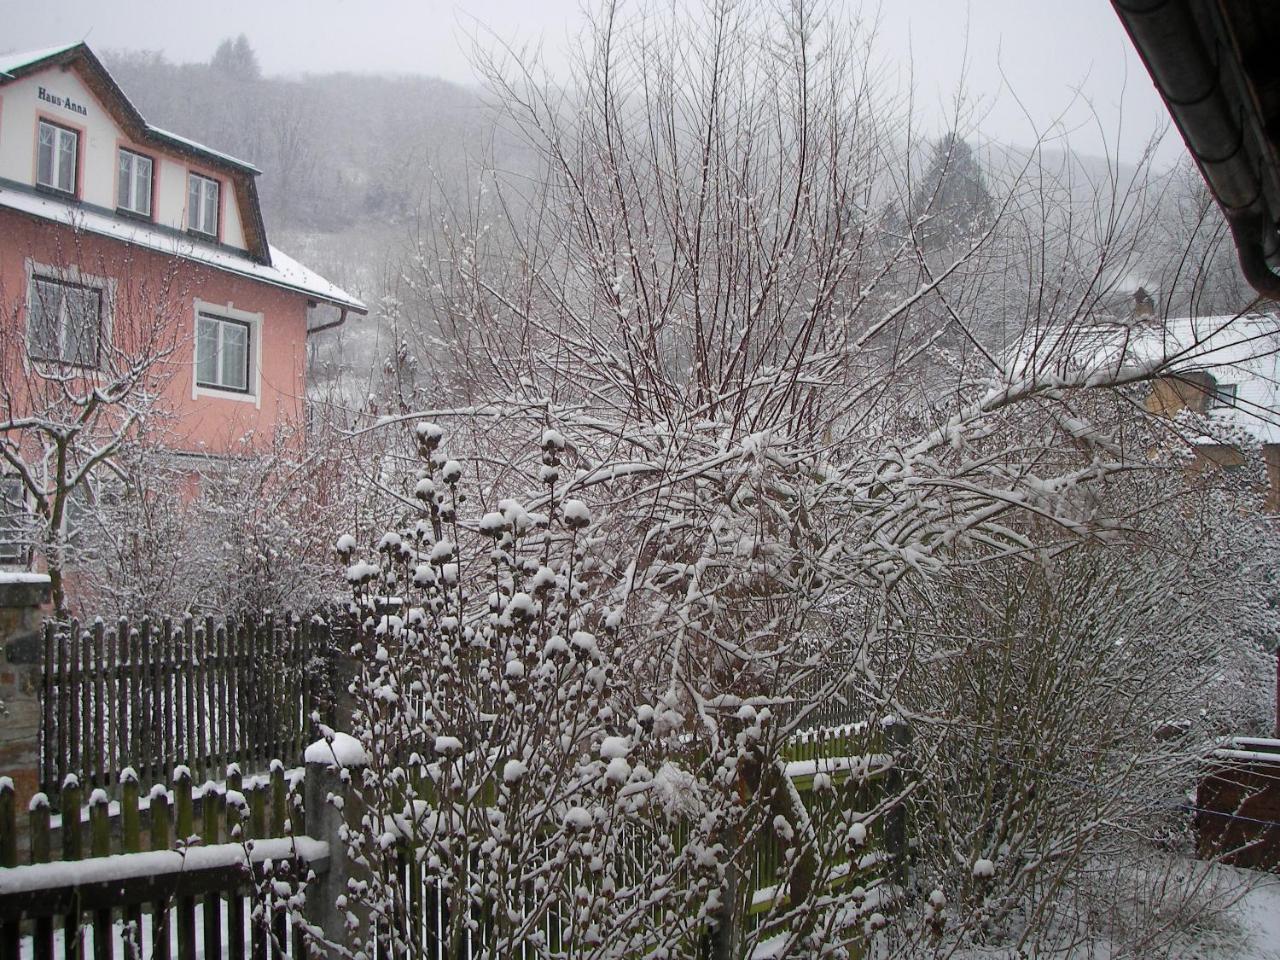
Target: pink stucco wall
[151,284]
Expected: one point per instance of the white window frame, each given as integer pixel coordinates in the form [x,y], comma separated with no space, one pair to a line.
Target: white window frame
[227,311]
[106,288]
[15,552]
[128,202]
[55,164]
[196,218]
[1226,396]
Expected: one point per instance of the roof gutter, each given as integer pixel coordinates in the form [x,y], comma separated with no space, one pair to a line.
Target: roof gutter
[342,318]
[1191,55]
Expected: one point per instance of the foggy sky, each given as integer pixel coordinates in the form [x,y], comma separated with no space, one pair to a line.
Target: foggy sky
[1044,50]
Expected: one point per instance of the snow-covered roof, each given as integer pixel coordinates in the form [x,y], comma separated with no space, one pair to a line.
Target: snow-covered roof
[1240,351]
[16,61]
[199,147]
[283,271]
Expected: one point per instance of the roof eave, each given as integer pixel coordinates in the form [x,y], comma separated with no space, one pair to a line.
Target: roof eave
[1230,146]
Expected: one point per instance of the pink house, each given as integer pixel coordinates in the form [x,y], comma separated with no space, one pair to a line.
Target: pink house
[103,215]
[119,240]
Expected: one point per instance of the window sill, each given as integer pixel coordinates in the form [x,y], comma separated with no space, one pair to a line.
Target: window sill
[201,235]
[221,393]
[134,215]
[77,369]
[56,192]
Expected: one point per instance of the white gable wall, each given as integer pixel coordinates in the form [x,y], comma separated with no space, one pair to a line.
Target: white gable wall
[67,101]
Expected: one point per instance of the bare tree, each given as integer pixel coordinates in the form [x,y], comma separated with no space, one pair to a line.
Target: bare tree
[809,467]
[82,374]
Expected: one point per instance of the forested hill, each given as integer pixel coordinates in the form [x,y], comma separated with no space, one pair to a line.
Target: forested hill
[336,150]
[350,161]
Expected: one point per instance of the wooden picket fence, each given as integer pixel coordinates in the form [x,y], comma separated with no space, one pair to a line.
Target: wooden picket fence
[185,885]
[157,694]
[188,884]
[873,771]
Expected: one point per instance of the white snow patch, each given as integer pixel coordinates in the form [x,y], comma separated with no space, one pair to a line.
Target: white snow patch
[344,751]
[612,747]
[22,576]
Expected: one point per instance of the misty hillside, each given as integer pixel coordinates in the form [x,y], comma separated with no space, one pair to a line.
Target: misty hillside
[335,149]
[347,159]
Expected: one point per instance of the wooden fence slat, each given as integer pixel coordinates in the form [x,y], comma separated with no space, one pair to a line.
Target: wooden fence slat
[131,842]
[279,814]
[261,673]
[146,722]
[121,714]
[72,849]
[73,699]
[9,929]
[248,760]
[49,749]
[305,630]
[84,732]
[257,796]
[190,754]
[291,705]
[213,810]
[251,696]
[160,819]
[219,693]
[42,934]
[100,715]
[198,688]
[100,846]
[184,829]
[171,730]
[235,831]
[60,761]
[271,674]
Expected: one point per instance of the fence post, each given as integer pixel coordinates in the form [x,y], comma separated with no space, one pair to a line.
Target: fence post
[332,765]
[897,741]
[22,596]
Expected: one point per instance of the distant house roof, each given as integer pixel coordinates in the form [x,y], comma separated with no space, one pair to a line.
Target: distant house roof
[1242,351]
[14,66]
[283,271]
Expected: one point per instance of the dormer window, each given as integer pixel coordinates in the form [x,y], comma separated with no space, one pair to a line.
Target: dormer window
[133,183]
[202,205]
[56,157]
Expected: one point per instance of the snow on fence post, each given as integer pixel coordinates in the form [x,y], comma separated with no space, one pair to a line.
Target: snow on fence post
[332,764]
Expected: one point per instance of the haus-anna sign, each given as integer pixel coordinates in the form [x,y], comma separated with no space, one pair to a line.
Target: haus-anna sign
[66,103]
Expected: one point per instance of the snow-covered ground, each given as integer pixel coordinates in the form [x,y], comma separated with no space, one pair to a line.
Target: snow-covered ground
[1254,924]
[1222,913]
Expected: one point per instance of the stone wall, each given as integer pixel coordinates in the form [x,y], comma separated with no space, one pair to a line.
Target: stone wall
[24,598]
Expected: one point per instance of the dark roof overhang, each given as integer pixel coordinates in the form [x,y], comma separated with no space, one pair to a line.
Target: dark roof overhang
[1216,63]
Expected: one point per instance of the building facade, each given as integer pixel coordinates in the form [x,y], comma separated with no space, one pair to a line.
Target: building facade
[123,244]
